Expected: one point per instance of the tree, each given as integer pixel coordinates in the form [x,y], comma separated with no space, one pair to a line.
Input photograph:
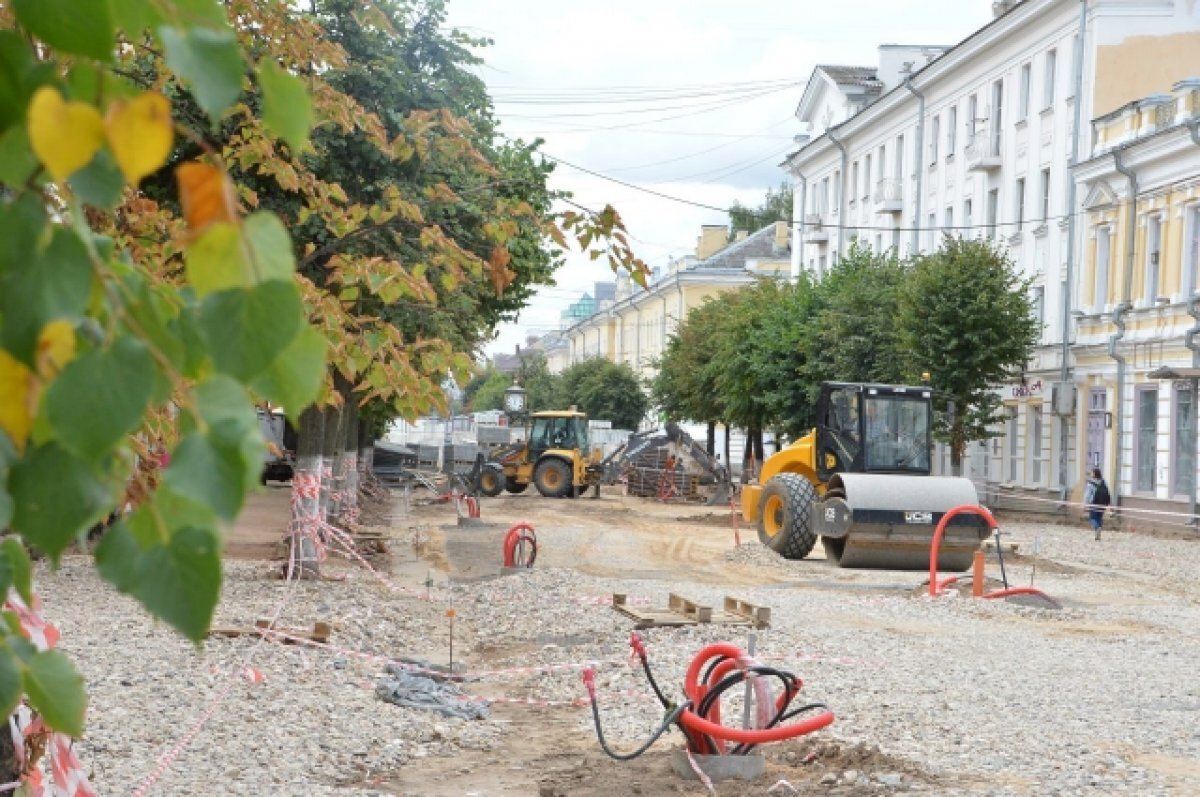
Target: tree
[681,388]
[605,391]
[485,390]
[777,206]
[965,317]
[781,357]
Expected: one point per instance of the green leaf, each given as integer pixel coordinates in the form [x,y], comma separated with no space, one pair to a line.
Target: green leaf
[287,109]
[100,183]
[52,284]
[100,396]
[48,514]
[16,59]
[246,329]
[217,260]
[79,27]
[178,582]
[210,13]
[17,161]
[134,17]
[10,681]
[222,400]
[19,567]
[8,455]
[55,691]
[218,468]
[271,247]
[293,381]
[209,61]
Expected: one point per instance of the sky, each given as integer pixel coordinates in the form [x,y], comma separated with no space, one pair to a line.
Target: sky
[690,98]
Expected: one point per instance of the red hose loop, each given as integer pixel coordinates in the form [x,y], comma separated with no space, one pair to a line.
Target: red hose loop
[708,727]
[935,588]
[472,504]
[520,533]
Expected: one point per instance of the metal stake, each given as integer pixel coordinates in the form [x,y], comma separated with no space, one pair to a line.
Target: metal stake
[748,700]
[1000,556]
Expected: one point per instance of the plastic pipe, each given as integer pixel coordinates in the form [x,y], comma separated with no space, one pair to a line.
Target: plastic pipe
[521,532]
[1004,593]
[965,509]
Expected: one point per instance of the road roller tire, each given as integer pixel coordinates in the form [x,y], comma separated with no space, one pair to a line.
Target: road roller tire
[491,482]
[785,516]
[514,486]
[553,478]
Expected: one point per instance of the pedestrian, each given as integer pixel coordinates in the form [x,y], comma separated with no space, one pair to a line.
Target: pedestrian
[1097,498]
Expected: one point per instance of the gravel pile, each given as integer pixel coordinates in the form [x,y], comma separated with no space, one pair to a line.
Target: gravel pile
[952,695]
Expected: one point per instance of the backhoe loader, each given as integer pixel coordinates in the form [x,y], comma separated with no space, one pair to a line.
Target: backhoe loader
[861,482]
[555,459]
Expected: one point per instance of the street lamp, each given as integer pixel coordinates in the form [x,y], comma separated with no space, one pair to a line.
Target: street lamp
[514,399]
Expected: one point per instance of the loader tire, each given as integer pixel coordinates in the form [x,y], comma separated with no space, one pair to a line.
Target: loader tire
[785,516]
[514,486]
[491,481]
[553,478]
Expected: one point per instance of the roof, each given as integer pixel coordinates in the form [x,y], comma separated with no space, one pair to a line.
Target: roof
[760,244]
[864,76]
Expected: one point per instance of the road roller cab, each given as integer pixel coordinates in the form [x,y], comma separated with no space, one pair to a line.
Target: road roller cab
[861,482]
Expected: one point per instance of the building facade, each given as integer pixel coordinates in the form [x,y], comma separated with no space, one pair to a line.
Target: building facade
[635,326]
[977,139]
[1138,312]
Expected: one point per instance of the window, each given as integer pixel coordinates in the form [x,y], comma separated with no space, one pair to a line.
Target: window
[949,226]
[967,219]
[1147,439]
[1023,99]
[1075,56]
[993,211]
[1183,453]
[825,195]
[1045,194]
[1153,245]
[997,117]
[1010,432]
[1191,249]
[1020,206]
[878,242]
[837,191]
[853,178]
[1037,304]
[931,233]
[972,114]
[899,160]
[936,132]
[866,184]
[1103,256]
[951,130]
[1035,443]
[1048,85]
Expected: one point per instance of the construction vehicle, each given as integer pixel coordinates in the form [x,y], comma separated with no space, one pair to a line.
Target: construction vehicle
[861,482]
[555,459]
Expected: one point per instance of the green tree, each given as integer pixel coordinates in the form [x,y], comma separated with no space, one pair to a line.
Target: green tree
[781,357]
[776,206]
[605,391]
[965,317]
[541,386]
[485,390]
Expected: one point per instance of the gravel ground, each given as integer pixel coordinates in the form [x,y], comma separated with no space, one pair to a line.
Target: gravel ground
[947,696]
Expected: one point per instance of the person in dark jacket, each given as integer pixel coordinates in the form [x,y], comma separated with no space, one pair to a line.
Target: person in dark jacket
[1097,498]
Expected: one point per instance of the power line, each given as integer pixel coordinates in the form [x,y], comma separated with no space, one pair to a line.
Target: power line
[814,224]
[624,99]
[701,152]
[702,107]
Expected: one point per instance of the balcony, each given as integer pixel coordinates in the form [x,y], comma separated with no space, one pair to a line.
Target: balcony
[983,153]
[814,232]
[889,196]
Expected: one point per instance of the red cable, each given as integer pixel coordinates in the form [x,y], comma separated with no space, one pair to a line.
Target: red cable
[1004,593]
[521,532]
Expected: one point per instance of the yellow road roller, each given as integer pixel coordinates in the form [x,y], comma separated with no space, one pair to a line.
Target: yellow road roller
[861,482]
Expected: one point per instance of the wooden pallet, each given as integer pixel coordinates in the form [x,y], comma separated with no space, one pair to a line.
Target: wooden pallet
[319,633]
[680,611]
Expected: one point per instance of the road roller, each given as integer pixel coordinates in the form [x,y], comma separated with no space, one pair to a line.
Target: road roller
[860,481]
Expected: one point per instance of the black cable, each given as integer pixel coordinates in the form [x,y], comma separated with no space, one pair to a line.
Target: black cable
[654,684]
[666,724]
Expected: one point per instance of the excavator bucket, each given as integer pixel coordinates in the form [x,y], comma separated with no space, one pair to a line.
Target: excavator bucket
[887,521]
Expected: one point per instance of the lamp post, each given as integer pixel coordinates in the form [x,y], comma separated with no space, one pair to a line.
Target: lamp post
[514,401]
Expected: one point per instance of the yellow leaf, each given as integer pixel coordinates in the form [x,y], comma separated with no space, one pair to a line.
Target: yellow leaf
[207,195]
[55,348]
[16,394]
[140,134]
[64,135]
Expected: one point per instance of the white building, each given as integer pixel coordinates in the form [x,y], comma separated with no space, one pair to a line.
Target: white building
[978,139]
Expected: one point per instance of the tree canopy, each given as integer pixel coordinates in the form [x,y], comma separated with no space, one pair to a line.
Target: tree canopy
[776,206]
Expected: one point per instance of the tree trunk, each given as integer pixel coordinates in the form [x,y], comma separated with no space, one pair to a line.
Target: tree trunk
[710,440]
[331,444]
[306,492]
[366,453]
[728,461]
[348,486]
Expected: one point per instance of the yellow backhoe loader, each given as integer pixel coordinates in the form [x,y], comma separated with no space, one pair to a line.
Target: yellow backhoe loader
[860,481]
[555,459]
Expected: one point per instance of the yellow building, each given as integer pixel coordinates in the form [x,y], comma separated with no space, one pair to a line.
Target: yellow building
[1137,342]
[634,328]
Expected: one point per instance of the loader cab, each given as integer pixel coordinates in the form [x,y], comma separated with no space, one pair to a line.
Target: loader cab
[558,430]
[864,428]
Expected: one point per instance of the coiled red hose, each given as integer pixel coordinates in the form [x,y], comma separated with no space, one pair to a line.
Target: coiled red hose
[523,538]
[711,726]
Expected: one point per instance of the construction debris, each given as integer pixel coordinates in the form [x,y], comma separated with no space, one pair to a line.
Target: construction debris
[681,611]
[426,691]
[668,466]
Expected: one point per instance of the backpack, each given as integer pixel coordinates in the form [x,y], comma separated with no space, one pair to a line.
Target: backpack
[1102,498]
